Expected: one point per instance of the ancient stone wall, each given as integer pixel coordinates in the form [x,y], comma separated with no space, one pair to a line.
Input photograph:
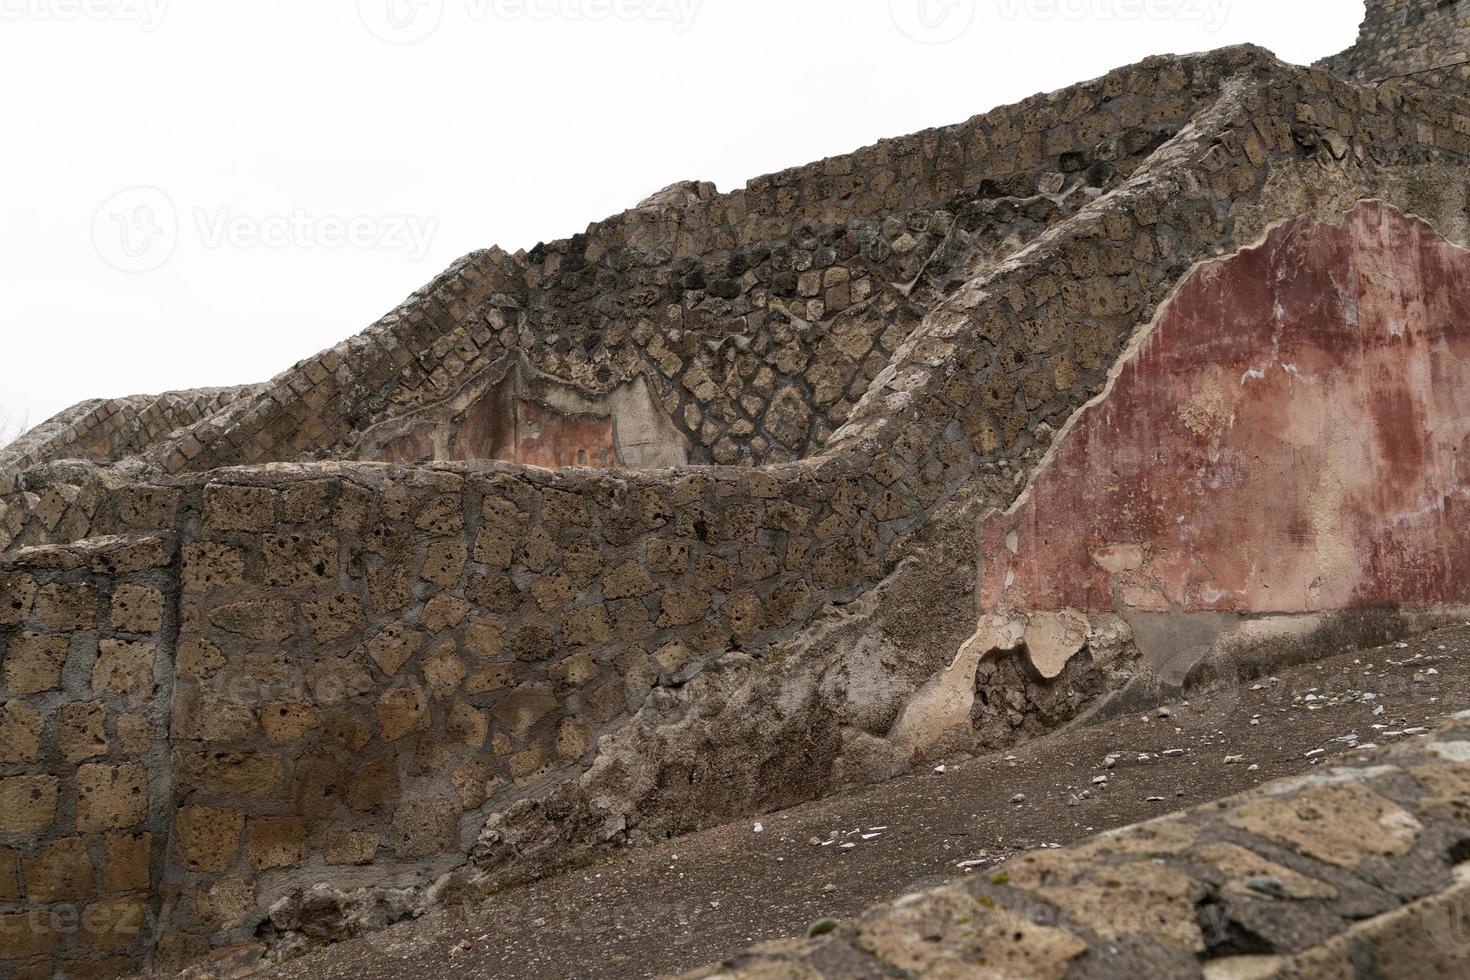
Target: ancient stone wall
[1403,36]
[373,661]
[760,316]
[110,429]
[85,773]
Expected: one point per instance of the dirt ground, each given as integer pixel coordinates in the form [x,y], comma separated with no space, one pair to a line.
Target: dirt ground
[698,899]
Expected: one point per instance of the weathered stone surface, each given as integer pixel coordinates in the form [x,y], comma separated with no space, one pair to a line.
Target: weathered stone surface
[20,733]
[871,349]
[207,838]
[124,667]
[81,732]
[111,797]
[232,508]
[426,828]
[275,842]
[60,872]
[33,663]
[27,803]
[127,867]
[137,609]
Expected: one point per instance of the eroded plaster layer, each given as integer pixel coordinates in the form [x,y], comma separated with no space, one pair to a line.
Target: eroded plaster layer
[516,414]
[1289,438]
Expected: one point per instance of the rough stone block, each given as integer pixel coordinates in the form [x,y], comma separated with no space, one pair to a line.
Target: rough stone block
[374,785]
[426,828]
[60,872]
[207,838]
[444,562]
[33,663]
[17,592]
[249,774]
[288,721]
[261,619]
[67,606]
[276,842]
[26,934]
[127,868]
[394,646]
[299,560]
[519,711]
[226,904]
[228,508]
[111,797]
[444,672]
[137,609]
[20,733]
[28,804]
[401,712]
[124,667]
[9,877]
[351,847]
[443,611]
[628,581]
[81,731]
[335,618]
[212,564]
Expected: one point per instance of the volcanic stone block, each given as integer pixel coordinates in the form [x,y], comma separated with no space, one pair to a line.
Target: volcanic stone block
[228,508]
[207,838]
[26,934]
[60,872]
[81,730]
[124,667]
[519,711]
[137,609]
[276,842]
[401,712]
[67,606]
[17,592]
[114,923]
[20,733]
[33,663]
[111,797]
[127,868]
[426,828]
[27,804]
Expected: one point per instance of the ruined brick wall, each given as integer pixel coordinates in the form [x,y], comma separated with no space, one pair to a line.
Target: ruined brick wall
[371,661]
[107,430]
[85,774]
[1402,36]
[761,315]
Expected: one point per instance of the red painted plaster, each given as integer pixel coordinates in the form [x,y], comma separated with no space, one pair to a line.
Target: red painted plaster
[1291,436]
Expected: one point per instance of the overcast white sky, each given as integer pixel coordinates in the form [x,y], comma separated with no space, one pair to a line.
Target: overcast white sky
[202,192]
